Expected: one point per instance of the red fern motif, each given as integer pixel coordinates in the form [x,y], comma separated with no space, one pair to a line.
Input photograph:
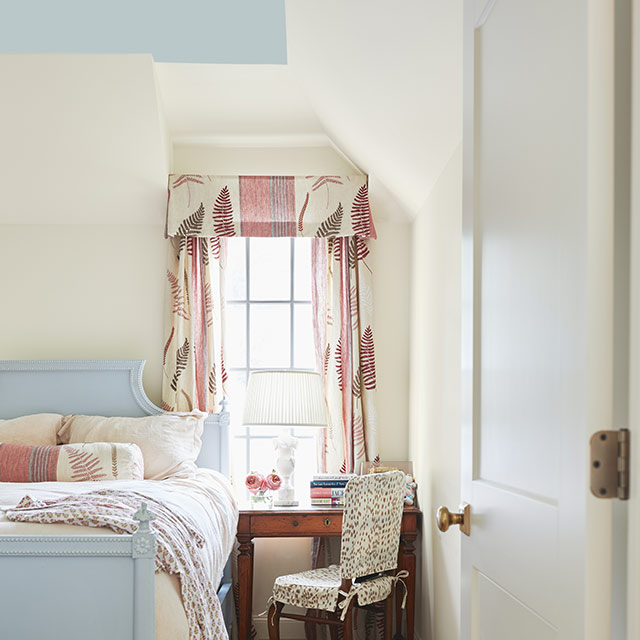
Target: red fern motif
[343,467]
[192,226]
[208,304]
[85,466]
[376,461]
[212,383]
[215,247]
[166,346]
[357,384]
[182,357]
[353,307]
[187,397]
[178,296]
[341,365]
[358,250]
[358,438]
[368,359]
[361,213]
[165,406]
[186,178]
[322,180]
[331,226]
[223,370]
[327,356]
[114,461]
[301,216]
[223,214]
[204,251]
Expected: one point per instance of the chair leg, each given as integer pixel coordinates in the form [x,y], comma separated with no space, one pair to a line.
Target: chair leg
[333,630]
[347,625]
[273,620]
[388,616]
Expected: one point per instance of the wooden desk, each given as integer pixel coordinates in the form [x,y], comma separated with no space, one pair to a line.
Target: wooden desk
[309,522]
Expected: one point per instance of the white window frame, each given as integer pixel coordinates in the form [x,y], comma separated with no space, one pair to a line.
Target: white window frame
[243,436]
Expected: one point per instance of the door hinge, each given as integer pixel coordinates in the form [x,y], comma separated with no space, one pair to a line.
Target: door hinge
[610,452]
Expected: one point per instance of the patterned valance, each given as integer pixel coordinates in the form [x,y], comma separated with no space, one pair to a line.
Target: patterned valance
[269,206]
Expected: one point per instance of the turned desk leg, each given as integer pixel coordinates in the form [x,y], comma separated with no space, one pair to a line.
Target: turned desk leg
[245,586]
[407,561]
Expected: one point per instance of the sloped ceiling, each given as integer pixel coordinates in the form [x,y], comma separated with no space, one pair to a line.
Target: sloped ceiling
[381,81]
[385,80]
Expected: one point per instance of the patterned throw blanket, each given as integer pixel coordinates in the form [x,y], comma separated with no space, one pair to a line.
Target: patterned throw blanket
[177,550]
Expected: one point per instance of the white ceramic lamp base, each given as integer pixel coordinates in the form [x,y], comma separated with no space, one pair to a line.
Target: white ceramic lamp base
[285,446]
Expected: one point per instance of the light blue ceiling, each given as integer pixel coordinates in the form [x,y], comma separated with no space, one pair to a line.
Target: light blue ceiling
[197,31]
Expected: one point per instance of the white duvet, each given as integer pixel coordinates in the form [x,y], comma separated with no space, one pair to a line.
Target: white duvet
[207,500]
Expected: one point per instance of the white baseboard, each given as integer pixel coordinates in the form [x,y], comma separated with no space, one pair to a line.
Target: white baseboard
[289,629]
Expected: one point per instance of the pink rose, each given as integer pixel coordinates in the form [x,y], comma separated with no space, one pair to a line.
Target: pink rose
[273,481]
[263,486]
[254,482]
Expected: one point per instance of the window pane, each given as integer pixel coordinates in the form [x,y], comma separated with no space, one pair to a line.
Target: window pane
[303,348]
[302,269]
[236,388]
[270,335]
[263,455]
[270,271]
[235,273]
[236,335]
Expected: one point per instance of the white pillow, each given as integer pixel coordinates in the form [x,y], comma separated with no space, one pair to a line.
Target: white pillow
[170,442]
[37,430]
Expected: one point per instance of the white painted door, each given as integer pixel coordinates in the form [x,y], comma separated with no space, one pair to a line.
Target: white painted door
[538,316]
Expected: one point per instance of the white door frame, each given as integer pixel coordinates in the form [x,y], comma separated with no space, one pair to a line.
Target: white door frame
[633,551]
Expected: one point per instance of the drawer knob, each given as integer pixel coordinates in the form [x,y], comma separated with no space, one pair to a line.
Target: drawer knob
[295,523]
[327,522]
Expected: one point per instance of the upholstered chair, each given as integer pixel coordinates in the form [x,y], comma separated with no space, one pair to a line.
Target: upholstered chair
[368,561]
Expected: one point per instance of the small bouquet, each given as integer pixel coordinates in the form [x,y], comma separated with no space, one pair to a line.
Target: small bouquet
[259,486]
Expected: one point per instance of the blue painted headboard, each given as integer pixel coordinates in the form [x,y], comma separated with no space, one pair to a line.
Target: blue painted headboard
[96,387]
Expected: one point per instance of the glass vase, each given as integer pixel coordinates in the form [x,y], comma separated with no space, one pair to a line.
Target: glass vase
[261,501]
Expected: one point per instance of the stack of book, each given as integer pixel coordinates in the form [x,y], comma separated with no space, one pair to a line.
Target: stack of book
[327,489]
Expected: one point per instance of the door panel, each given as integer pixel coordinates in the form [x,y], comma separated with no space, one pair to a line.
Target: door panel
[515,620]
[537,303]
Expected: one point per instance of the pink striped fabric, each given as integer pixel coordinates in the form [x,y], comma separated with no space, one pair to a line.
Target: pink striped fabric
[269,206]
[24,463]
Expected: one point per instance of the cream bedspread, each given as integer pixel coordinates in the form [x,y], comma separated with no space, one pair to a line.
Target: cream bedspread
[206,499]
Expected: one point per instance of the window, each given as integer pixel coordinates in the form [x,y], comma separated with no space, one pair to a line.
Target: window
[268,326]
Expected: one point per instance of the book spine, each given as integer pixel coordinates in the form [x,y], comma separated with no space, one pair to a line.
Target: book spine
[334,476]
[319,484]
[330,502]
[327,492]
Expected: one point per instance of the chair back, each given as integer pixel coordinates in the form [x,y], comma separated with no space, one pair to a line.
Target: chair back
[371,524]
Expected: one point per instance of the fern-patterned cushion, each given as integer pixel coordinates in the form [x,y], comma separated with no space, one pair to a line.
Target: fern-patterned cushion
[170,442]
[37,429]
[70,463]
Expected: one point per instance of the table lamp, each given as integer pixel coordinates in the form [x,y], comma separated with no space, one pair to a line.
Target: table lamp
[285,398]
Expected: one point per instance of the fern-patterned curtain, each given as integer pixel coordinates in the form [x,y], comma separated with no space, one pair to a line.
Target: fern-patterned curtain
[193,359]
[203,210]
[269,206]
[344,338]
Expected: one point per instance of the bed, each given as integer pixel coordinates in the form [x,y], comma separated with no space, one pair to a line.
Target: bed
[65,581]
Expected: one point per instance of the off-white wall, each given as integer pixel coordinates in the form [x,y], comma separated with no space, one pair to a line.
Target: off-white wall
[434,428]
[83,291]
[83,170]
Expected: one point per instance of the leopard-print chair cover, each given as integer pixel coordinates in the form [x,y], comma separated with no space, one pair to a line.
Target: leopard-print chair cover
[370,539]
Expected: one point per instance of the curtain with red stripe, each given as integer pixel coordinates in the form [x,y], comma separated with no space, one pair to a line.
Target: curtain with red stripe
[202,211]
[345,351]
[193,359]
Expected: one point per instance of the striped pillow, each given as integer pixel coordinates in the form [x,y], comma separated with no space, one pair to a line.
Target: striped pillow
[71,462]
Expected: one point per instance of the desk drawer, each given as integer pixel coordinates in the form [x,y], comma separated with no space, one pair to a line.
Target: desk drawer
[296,525]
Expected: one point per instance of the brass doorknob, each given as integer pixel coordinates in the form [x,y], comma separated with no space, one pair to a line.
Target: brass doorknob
[444,519]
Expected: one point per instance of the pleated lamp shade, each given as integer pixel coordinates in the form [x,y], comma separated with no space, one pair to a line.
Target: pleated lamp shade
[285,397]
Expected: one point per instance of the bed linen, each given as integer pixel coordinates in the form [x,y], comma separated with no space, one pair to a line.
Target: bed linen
[206,500]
